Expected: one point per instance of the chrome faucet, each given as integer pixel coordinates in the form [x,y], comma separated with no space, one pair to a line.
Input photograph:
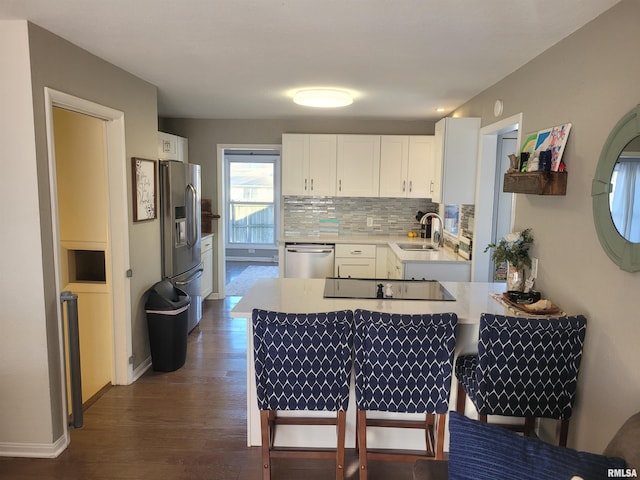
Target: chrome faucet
[436,233]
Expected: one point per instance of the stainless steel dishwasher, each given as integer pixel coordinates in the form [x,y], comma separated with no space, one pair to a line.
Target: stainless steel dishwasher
[308,260]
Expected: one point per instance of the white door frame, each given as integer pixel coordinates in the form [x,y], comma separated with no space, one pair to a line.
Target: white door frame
[122,370]
[485,188]
[222,270]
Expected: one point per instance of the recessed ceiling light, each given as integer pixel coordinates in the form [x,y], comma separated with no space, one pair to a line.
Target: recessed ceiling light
[440,110]
[322,98]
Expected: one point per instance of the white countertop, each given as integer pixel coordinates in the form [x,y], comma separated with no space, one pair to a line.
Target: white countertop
[440,255]
[295,295]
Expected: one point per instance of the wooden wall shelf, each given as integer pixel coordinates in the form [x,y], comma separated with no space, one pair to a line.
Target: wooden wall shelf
[536,183]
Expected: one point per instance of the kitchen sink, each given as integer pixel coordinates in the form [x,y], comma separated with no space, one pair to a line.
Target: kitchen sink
[416,247]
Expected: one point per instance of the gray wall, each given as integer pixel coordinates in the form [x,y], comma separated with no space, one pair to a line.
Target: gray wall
[590,79]
[58,64]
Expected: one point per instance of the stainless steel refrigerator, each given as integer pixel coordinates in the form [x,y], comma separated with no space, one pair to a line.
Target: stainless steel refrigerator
[180,225]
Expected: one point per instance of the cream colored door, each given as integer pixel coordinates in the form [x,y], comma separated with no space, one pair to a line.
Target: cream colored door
[83,215]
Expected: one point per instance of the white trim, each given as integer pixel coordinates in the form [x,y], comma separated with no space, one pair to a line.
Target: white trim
[35,450]
[122,373]
[221,204]
[142,368]
[485,188]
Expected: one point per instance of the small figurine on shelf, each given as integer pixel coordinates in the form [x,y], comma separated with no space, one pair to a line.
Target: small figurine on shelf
[513,163]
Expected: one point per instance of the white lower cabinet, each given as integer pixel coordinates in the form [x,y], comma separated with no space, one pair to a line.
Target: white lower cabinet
[206,247]
[441,271]
[394,267]
[355,261]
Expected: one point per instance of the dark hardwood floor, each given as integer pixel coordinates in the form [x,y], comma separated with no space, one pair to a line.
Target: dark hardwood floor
[188,424]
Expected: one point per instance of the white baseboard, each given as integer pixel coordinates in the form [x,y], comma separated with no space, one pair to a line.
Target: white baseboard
[35,450]
[141,369]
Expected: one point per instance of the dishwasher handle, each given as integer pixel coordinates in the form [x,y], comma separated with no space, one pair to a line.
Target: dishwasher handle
[308,250]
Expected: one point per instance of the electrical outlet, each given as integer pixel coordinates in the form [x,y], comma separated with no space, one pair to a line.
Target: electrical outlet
[369,221]
[534,267]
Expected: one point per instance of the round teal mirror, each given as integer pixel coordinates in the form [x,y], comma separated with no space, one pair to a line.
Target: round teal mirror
[616,193]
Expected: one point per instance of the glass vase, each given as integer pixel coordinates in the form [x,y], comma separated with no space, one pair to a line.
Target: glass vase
[515,278]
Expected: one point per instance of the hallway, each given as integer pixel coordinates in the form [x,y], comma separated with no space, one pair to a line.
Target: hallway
[185,425]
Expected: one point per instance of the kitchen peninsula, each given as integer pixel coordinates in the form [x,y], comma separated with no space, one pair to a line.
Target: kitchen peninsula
[296,295]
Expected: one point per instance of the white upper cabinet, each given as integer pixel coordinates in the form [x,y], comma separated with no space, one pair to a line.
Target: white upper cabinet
[172,147]
[406,166]
[421,166]
[358,166]
[394,161]
[308,164]
[455,154]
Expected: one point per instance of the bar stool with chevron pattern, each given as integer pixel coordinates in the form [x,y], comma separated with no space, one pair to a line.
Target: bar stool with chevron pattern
[302,362]
[525,367]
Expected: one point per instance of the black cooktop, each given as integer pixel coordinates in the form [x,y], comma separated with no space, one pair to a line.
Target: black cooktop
[400,289]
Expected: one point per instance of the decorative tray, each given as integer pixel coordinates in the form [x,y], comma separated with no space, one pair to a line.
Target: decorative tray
[529,309]
[533,308]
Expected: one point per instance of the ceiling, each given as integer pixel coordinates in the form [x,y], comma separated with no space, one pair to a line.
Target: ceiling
[234,59]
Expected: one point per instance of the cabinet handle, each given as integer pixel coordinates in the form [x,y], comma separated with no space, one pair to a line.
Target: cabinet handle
[431,186]
[356,252]
[305,184]
[339,185]
[312,184]
[404,185]
[410,186]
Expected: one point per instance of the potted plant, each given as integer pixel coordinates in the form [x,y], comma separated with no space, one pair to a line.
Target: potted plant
[514,250]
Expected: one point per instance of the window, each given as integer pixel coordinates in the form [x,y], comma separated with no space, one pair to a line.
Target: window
[624,199]
[252,195]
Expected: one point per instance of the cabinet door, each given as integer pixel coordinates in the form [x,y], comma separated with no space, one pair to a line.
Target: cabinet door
[295,164]
[358,165]
[355,268]
[167,146]
[438,154]
[394,159]
[420,166]
[456,153]
[322,165]
[207,273]
[441,271]
[183,149]
[394,266]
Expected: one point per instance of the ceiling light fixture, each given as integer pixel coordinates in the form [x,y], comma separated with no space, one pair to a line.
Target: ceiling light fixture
[322,98]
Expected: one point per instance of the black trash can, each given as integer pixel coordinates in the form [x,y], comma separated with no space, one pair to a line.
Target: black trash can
[167,310]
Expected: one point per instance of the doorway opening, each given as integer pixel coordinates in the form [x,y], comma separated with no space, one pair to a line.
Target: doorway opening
[113,249]
[249,193]
[491,208]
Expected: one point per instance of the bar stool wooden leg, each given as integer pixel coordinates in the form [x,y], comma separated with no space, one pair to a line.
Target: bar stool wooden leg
[362,443]
[461,399]
[265,416]
[341,429]
[529,426]
[562,432]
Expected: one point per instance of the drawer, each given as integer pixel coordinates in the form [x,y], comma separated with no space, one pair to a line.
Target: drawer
[206,243]
[346,250]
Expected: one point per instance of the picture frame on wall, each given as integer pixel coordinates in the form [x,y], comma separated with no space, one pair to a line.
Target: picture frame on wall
[144,193]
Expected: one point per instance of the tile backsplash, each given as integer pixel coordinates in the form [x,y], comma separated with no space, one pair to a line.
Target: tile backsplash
[307,216]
